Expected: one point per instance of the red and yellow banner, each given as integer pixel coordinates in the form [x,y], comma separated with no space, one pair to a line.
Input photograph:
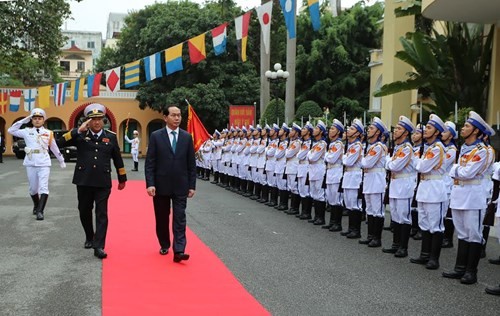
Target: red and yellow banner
[241,115]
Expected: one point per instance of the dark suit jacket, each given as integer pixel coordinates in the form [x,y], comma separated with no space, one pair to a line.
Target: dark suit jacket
[169,173]
[93,160]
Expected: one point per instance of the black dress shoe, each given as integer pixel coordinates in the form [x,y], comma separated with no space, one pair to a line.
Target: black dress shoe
[178,257]
[494,261]
[87,244]
[163,251]
[493,290]
[39,216]
[99,253]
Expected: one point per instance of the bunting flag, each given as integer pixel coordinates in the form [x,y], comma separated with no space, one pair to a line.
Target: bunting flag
[219,40]
[93,85]
[241,24]
[60,93]
[4,99]
[152,67]
[15,100]
[288,7]
[44,97]
[132,74]
[314,13]
[264,13]
[29,99]
[113,80]
[173,59]
[77,89]
[196,129]
[197,49]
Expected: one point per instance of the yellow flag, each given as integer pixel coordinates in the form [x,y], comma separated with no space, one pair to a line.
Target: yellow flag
[44,97]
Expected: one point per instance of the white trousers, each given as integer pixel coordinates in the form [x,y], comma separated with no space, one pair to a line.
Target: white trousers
[375,204]
[316,190]
[292,183]
[430,216]
[271,179]
[400,210]
[351,200]
[135,155]
[280,182]
[38,180]
[303,188]
[469,224]
[332,194]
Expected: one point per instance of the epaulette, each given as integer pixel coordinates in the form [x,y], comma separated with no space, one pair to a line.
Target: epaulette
[480,146]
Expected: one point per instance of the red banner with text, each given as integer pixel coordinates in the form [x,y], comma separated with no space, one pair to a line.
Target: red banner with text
[241,115]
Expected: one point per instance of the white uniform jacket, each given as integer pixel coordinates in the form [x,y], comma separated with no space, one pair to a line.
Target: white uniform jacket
[432,188]
[292,161]
[316,157]
[373,164]
[352,162]
[402,172]
[333,159]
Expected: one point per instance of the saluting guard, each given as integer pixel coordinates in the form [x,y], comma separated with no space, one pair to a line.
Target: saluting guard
[261,165]
[431,194]
[217,143]
[402,174]
[374,182]
[279,168]
[271,165]
[254,186]
[134,150]
[37,161]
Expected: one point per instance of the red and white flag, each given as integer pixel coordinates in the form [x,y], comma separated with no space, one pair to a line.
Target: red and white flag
[113,79]
[60,93]
[264,13]
[15,100]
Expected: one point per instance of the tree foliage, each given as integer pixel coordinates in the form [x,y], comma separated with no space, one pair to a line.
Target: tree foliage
[31,39]
[331,64]
[308,109]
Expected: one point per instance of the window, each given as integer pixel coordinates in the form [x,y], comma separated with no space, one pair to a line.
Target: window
[80,66]
[90,44]
[64,65]
[73,43]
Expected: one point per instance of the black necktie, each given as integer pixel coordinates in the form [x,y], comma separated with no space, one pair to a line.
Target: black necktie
[38,130]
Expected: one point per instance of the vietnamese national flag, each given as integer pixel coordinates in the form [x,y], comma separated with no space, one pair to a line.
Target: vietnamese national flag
[196,129]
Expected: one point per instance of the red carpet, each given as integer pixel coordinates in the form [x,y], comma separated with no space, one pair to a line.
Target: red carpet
[136,280]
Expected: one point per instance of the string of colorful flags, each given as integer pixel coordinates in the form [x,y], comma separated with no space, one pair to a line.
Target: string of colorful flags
[152,64]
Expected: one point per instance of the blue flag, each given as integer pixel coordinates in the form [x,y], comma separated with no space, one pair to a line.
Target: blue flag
[314,13]
[289,9]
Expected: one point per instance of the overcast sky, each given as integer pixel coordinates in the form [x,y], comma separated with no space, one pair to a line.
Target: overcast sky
[92,15]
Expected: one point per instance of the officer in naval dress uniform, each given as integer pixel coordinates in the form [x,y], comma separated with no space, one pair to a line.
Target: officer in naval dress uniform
[37,159]
[217,143]
[254,185]
[351,181]
[96,147]
[374,182]
[334,171]
[402,173]
[468,199]
[261,165]
[431,194]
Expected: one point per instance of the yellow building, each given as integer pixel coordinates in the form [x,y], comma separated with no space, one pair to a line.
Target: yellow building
[385,68]
[120,108]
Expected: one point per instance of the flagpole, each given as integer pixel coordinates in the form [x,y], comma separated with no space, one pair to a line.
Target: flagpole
[126,125]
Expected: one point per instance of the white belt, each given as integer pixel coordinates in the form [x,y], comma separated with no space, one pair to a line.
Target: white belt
[349,169]
[372,170]
[466,182]
[303,162]
[333,165]
[424,177]
[401,175]
[315,162]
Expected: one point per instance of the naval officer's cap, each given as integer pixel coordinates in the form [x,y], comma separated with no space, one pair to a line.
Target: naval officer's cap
[379,124]
[95,110]
[477,121]
[358,125]
[38,112]
[452,128]
[338,125]
[296,127]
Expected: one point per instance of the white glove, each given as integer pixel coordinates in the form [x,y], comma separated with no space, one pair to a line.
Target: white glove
[62,164]
[27,119]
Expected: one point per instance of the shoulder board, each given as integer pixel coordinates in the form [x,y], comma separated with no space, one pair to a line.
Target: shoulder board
[480,146]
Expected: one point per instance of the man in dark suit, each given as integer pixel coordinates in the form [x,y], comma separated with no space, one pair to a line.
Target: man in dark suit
[170,171]
[96,148]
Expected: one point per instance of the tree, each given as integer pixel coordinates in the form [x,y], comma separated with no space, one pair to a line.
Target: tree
[31,39]
[211,85]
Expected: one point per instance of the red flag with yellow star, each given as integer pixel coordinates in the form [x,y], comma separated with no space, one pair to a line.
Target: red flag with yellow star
[196,129]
